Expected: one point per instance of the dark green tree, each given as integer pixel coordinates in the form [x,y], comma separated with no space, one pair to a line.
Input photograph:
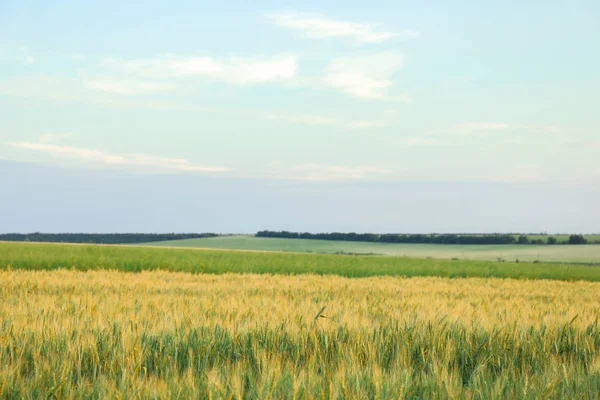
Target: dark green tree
[523,239]
[577,239]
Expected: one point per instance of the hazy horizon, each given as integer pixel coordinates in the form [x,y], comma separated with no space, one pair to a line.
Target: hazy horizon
[41,198]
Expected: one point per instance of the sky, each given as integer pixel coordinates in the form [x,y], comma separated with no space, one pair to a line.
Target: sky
[397,116]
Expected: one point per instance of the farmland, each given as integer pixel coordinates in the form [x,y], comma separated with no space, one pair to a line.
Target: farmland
[136,259]
[100,334]
[92,321]
[559,253]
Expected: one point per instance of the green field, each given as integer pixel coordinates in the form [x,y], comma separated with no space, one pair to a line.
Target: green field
[544,253]
[106,321]
[135,259]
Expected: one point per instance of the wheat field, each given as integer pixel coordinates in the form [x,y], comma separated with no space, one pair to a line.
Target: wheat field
[100,334]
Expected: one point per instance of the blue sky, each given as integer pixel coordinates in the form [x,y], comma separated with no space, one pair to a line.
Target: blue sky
[329,93]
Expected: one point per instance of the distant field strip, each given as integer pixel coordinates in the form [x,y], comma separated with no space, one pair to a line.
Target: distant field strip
[107,334]
[544,253]
[135,259]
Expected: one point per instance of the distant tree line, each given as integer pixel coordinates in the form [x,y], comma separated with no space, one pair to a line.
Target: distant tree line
[422,238]
[99,238]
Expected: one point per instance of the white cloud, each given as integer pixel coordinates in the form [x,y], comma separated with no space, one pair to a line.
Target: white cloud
[134,160]
[87,154]
[367,77]
[511,133]
[53,137]
[365,124]
[320,172]
[169,163]
[318,26]
[127,86]
[423,141]
[52,88]
[482,126]
[234,70]
[74,90]
[390,112]
[526,173]
[77,56]
[28,58]
[318,120]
